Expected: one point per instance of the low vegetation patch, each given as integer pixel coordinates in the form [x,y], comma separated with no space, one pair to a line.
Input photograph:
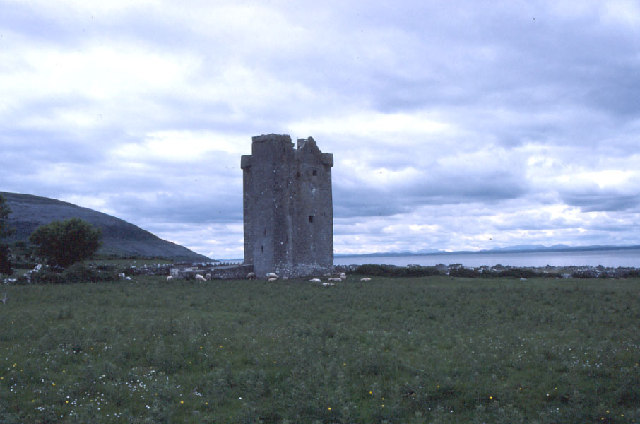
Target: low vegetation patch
[397,350]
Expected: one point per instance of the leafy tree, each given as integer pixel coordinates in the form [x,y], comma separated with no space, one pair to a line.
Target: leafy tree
[5,230]
[5,260]
[63,243]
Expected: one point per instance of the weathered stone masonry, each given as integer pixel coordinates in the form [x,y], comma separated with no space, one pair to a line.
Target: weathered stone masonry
[288,207]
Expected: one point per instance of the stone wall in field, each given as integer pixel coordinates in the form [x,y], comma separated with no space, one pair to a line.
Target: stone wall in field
[230,272]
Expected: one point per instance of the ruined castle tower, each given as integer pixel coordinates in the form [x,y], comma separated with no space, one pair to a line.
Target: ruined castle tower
[288,208]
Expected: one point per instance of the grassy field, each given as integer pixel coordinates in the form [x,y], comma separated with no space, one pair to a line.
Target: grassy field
[408,350]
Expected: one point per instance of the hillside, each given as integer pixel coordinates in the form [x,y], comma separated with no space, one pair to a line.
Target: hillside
[118,236]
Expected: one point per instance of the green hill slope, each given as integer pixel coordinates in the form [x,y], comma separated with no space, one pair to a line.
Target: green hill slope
[118,236]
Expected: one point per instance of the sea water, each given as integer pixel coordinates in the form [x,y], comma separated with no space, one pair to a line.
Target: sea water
[606,257]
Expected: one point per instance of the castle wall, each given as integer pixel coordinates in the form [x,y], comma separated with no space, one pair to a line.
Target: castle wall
[313,215]
[288,209]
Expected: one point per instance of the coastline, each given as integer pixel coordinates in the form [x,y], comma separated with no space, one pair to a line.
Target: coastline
[609,257]
[485,271]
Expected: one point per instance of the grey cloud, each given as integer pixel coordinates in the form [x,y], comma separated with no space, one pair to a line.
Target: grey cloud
[629,227]
[528,71]
[193,208]
[597,201]
[492,186]
[444,189]
[72,27]
[51,146]
[619,92]
[22,18]
[364,204]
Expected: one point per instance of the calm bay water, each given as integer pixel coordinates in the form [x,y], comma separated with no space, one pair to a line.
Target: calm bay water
[607,258]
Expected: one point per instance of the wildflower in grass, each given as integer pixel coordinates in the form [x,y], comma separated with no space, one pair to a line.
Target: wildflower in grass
[490,397]
[371,392]
[181,402]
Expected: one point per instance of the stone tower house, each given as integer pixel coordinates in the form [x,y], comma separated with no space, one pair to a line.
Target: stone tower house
[288,208]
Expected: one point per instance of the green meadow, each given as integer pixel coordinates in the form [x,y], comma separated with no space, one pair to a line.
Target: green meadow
[396,350]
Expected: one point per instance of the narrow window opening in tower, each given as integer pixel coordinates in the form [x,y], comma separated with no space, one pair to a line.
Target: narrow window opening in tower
[264,232]
[261,249]
[298,174]
[314,172]
[310,219]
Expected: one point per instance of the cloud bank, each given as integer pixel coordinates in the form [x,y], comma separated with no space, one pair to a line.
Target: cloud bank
[458,126]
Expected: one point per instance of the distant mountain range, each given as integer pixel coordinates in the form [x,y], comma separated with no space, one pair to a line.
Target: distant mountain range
[510,249]
[557,248]
[119,238]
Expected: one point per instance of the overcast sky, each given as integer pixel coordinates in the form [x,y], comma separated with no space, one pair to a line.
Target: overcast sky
[457,125]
